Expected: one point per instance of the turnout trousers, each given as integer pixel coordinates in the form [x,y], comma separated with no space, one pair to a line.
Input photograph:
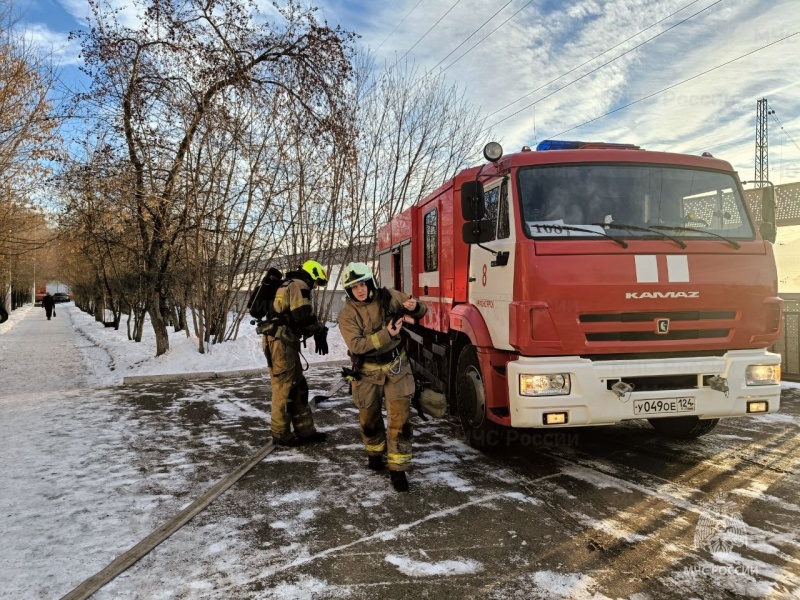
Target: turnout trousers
[290,408]
[395,382]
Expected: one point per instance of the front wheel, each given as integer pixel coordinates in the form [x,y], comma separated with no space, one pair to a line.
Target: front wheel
[683,428]
[480,432]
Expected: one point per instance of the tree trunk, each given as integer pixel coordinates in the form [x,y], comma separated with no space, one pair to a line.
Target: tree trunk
[138,328]
[159,324]
[98,309]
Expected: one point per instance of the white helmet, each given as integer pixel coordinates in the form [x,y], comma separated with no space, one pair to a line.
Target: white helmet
[357,272]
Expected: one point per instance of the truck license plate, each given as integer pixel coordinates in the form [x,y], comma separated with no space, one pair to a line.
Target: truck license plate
[663,406]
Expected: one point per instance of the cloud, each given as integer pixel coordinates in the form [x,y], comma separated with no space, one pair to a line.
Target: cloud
[77,9]
[61,50]
[127,13]
[547,39]
[544,40]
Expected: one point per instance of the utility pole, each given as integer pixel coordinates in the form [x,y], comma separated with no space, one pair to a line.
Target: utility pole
[762,141]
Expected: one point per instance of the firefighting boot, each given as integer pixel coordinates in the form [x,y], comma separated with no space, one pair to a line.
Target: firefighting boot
[289,442]
[376,462]
[399,480]
[317,436]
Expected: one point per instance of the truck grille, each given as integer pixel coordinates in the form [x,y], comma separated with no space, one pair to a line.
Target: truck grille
[703,330]
[651,336]
[657,383]
[639,317]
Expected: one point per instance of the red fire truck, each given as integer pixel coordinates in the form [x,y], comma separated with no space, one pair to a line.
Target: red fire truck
[585,284]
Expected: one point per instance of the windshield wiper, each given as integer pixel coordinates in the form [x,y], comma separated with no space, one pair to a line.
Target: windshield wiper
[733,243]
[616,225]
[621,242]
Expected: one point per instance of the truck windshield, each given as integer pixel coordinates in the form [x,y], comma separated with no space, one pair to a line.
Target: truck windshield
[651,200]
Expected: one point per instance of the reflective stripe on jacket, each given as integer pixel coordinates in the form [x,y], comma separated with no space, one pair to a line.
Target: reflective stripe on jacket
[363,324]
[293,300]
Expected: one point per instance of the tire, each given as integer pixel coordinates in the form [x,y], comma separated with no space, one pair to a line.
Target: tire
[481,433]
[683,428]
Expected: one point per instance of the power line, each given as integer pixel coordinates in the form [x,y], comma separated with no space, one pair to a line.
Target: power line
[456,3]
[782,129]
[603,65]
[486,36]
[596,57]
[677,84]
[430,72]
[375,82]
[398,25]
[476,31]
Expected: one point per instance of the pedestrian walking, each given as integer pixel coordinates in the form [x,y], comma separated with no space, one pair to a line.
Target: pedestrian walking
[49,305]
[370,323]
[292,321]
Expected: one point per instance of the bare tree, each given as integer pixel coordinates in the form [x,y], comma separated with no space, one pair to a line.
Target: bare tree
[235,195]
[402,137]
[161,82]
[96,222]
[27,139]
[417,131]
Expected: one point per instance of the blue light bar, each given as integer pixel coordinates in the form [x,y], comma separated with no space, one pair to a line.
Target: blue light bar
[575,145]
[559,145]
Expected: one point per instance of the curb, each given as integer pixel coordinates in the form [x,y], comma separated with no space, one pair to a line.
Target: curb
[132,379]
[168,377]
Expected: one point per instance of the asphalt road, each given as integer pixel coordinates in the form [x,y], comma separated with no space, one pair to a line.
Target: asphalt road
[617,512]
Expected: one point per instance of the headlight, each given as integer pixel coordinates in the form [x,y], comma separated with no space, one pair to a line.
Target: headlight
[556,384]
[762,375]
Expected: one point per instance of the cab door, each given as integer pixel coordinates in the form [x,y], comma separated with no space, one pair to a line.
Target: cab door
[490,285]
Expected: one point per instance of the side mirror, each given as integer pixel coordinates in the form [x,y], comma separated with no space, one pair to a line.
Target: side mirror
[473,202]
[768,231]
[477,232]
[768,228]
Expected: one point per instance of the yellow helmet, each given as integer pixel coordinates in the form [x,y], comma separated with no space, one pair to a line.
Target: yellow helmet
[318,273]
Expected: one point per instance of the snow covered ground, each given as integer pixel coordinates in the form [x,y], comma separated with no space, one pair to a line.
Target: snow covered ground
[70,460]
[112,356]
[90,467]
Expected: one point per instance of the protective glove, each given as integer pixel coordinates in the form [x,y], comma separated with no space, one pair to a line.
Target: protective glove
[321,341]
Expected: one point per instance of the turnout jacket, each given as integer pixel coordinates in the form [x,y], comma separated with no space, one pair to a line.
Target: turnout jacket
[363,324]
[293,307]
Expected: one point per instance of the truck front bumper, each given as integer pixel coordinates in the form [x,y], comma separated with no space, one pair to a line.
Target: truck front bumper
[591,401]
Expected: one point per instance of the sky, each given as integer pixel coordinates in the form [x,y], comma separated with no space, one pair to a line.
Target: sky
[675,75]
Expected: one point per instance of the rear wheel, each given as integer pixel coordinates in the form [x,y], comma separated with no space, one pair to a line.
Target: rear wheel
[471,401]
[683,428]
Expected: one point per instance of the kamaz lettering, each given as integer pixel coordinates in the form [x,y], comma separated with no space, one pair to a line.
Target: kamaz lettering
[640,295]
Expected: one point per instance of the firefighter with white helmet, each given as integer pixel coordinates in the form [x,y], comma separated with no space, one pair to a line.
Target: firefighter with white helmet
[293,320]
[371,323]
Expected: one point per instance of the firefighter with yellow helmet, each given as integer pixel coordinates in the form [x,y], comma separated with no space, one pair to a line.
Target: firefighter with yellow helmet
[370,326]
[294,320]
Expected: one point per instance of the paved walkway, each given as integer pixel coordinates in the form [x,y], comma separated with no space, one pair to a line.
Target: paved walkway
[37,355]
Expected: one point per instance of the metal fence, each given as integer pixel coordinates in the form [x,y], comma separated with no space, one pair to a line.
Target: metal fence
[789,344]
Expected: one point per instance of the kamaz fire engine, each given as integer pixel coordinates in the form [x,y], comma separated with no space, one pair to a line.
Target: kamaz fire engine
[585,284]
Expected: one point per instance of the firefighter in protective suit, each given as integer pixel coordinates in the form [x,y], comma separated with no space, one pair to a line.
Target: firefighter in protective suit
[370,323]
[294,320]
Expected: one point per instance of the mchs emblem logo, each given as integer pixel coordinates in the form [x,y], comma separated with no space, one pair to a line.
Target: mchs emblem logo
[720,527]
